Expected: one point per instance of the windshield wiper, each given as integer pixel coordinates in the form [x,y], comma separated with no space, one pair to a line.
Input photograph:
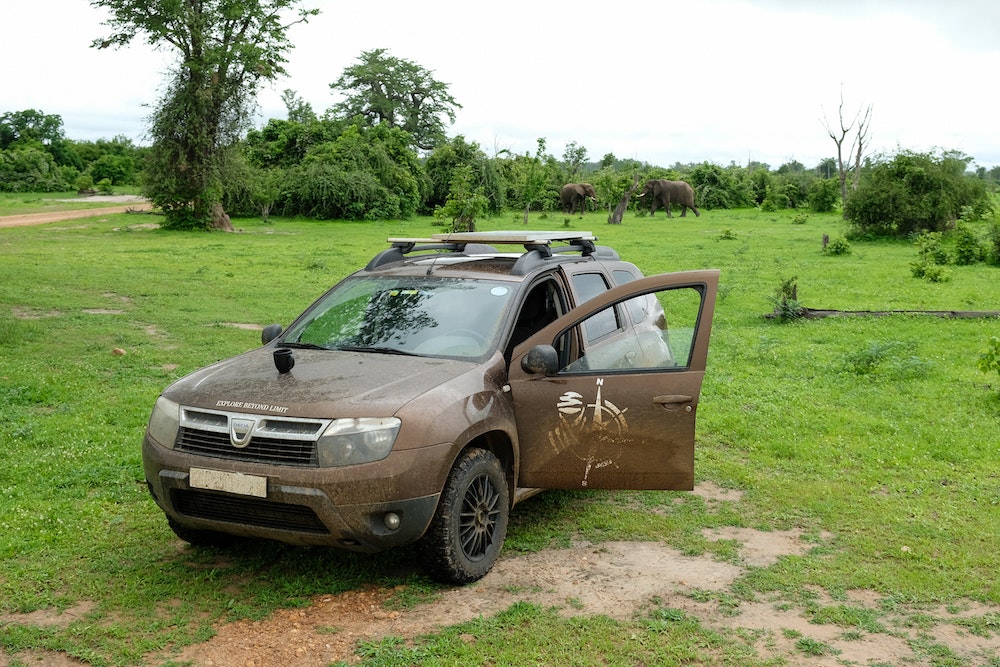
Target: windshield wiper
[303,346]
[380,350]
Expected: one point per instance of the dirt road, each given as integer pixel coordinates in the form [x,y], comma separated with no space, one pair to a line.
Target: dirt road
[125,203]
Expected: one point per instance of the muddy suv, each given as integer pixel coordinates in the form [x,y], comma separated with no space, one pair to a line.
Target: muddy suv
[426,394]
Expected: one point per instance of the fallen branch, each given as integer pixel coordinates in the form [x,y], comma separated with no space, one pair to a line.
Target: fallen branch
[815,314]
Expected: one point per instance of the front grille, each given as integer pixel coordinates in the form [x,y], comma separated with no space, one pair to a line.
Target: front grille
[246,511]
[273,440]
[260,450]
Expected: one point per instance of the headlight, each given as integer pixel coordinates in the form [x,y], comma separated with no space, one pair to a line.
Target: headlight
[164,421]
[351,441]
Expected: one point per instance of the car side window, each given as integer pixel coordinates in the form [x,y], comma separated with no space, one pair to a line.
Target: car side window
[652,344]
[637,307]
[587,286]
[543,305]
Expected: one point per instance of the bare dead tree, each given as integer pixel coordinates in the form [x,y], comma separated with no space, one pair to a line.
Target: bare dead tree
[860,141]
[616,217]
[863,119]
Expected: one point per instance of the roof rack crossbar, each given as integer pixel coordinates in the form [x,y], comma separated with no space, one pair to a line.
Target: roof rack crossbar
[402,247]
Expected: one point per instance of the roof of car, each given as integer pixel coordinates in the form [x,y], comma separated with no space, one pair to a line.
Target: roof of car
[540,248]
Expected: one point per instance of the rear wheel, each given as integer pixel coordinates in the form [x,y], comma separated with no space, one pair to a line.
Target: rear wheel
[470,524]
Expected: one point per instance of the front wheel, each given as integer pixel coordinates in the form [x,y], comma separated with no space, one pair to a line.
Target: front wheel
[464,539]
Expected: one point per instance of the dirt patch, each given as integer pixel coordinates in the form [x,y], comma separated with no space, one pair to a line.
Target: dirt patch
[244,325]
[616,579]
[133,204]
[621,580]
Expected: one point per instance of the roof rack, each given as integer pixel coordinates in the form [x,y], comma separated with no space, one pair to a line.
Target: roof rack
[536,244]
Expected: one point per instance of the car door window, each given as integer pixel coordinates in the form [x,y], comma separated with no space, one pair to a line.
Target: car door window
[652,344]
[604,323]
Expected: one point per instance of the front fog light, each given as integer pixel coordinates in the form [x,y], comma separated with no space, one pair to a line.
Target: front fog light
[391,520]
[351,441]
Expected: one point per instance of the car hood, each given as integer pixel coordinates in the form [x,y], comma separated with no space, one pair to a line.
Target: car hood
[321,384]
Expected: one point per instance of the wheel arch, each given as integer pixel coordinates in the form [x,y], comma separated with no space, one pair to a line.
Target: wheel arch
[500,445]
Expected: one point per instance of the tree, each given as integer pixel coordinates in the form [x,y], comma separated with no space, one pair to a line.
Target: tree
[366,173]
[447,158]
[226,49]
[718,187]
[530,174]
[573,158]
[464,203]
[862,119]
[299,111]
[29,128]
[385,90]
[913,192]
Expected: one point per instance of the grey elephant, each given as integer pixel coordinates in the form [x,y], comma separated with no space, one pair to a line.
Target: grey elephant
[575,195]
[664,193]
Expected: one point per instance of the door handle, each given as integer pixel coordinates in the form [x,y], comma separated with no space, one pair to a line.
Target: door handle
[672,398]
[672,401]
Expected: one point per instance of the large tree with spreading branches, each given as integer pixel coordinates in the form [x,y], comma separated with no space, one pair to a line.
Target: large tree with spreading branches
[385,90]
[226,50]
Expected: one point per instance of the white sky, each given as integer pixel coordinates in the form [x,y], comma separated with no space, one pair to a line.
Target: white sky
[660,81]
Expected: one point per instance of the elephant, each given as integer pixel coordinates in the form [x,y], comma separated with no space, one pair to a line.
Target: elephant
[576,194]
[664,193]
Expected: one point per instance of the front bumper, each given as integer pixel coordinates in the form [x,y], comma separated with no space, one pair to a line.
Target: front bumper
[344,508]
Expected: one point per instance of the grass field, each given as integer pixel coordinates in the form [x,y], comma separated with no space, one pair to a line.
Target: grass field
[876,435]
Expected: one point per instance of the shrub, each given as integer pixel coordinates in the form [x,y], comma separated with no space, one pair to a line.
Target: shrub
[717,187]
[84,182]
[929,247]
[824,194]
[464,203]
[913,192]
[786,300]
[837,247]
[989,361]
[968,248]
[993,244]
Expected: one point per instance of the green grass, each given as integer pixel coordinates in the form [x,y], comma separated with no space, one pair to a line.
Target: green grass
[878,437]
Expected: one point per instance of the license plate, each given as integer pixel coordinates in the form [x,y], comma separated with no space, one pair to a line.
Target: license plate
[230,482]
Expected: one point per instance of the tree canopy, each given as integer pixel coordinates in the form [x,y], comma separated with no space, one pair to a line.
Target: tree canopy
[386,90]
[225,48]
[913,192]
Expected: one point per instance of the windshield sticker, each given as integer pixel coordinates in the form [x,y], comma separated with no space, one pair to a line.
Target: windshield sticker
[602,426]
[261,407]
[499,291]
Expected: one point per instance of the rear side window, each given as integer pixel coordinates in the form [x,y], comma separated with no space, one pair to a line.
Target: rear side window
[587,286]
[636,307]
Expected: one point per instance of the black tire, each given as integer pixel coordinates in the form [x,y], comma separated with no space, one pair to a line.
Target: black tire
[464,539]
[199,538]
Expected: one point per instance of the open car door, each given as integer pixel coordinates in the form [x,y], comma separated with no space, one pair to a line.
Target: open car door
[606,396]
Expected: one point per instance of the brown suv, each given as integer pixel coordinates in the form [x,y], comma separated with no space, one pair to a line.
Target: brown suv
[423,396]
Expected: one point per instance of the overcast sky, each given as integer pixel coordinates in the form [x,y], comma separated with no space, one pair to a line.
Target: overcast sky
[659,81]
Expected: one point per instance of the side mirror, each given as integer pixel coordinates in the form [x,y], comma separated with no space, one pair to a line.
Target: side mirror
[541,359]
[270,332]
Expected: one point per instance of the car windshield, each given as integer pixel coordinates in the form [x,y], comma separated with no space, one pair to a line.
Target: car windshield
[420,316]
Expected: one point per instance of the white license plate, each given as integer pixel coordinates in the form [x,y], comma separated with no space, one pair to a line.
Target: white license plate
[230,482]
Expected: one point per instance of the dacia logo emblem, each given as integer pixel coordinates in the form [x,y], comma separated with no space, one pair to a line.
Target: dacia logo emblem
[240,431]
